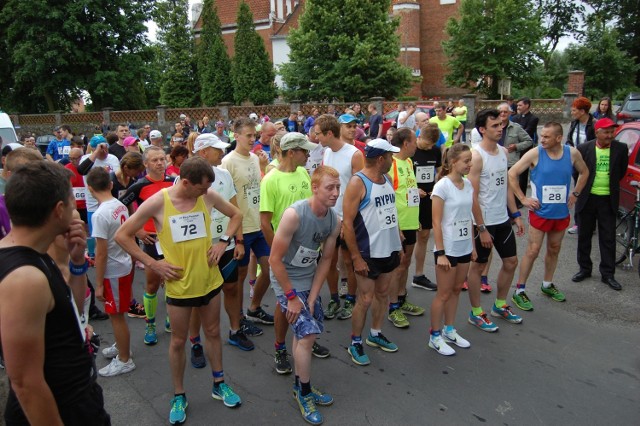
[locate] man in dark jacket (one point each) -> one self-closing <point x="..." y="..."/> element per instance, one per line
<point x="598" y="202"/>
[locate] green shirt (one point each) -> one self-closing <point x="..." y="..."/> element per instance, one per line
<point x="601" y="180"/>
<point x="447" y="127"/>
<point x="278" y="190"/>
<point x="407" y="196"/>
<point x="461" y="113"/>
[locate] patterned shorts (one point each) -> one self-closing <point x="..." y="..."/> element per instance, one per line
<point x="306" y="323"/>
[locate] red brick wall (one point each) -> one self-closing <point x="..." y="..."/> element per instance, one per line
<point x="576" y="82"/>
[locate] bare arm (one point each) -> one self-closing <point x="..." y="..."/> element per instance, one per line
<point x="529" y="159"/>
<point x="474" y="178"/>
<point x="512" y="206"/>
<point x="265" y="226"/>
<point x="101" y="267"/>
<point x="459" y="134"/>
<point x="76" y="240"/>
<point x="353" y="195"/>
<point x="357" y="162"/>
<point x="215" y="200"/>
<point x="324" y="264"/>
<point x="583" y="175"/>
<point x="239" y="250"/>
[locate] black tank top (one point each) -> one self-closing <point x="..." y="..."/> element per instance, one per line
<point x="67" y="363"/>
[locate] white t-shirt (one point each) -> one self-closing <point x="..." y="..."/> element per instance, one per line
<point x="105" y="222"/>
<point x="223" y="185"/>
<point x="111" y="164"/>
<point x="457" y="218"/>
<point x="315" y="159"/>
<point x="341" y="161"/>
<point x="410" y="123"/>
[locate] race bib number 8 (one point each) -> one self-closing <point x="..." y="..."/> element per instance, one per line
<point x="387" y="217"/>
<point x="304" y="257"/>
<point x="461" y="229"/>
<point x="425" y="174"/>
<point x="554" y="194"/>
<point x="188" y="226"/>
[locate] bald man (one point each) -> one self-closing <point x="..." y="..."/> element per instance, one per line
<point x="267" y="133"/>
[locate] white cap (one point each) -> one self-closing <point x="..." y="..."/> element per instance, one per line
<point x="378" y="147"/>
<point x="253" y="116"/>
<point x="155" y="134"/>
<point x="182" y="116"/>
<point x="207" y="140"/>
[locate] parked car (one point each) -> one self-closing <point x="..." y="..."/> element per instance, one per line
<point x="42" y="142"/>
<point x="7" y="132"/>
<point x="629" y="133"/>
<point x="630" y="110"/>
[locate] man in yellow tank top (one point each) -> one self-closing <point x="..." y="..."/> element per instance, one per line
<point x="181" y="215"/>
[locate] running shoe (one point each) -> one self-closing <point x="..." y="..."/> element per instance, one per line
<point x="308" y="409"/>
<point x="167" y="325"/>
<point x="357" y="354"/>
<point x="283" y="366"/>
<point x="573" y="230"/>
<point x="150" y="336"/>
<point x="482" y="322"/>
<point x="381" y="342"/>
<point x="320" y="351"/>
<point x="197" y="356"/>
<point x="240" y="341"/>
<point x="398" y="319"/>
<point x="465" y="286"/>
<point x="110" y="352"/>
<point x="319" y="397"/>
<point x="506" y="314"/>
<point x="96" y="314"/>
<point x="522" y="301"/>
<point x="137" y="311"/>
<point x="424" y="283"/>
<point x="178" y="412"/>
<point x="332" y="309"/>
<point x="485" y="287"/>
<point x="225" y="394"/>
<point x="438" y="343"/>
<point x="411" y="309"/>
<point x="455" y="338"/>
<point x="259" y="315"/>
<point x="553" y="292"/>
<point x="249" y="328"/>
<point x="117" y="367"/>
<point x="346" y="311"/>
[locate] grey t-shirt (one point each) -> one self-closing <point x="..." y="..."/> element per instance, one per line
<point x="302" y="255"/>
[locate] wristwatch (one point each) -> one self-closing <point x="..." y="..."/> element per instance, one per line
<point x="225" y="239"/>
<point x="482" y="228"/>
<point x="576" y="194"/>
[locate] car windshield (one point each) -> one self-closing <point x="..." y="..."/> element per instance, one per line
<point x="632" y="105"/>
<point x="8" y="136"/>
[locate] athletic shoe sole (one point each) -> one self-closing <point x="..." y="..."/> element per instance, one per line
<point x="488" y="330"/>
<point x="239" y="346"/>
<point x="432" y="346"/>
<point x="355" y="360"/>
<point x="423" y="287"/>
<point x="377" y="345"/>
<point x="219" y="398"/>
<point x="515" y="302"/>
<point x="513" y="321"/>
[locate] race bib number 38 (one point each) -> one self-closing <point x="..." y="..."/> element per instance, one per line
<point x="188" y="226"/>
<point x="554" y="194"/>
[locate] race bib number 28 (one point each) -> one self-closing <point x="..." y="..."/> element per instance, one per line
<point x="554" y="194"/>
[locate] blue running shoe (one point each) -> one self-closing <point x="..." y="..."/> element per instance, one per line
<point x="381" y="342"/>
<point x="308" y="409"/>
<point x="167" y="325"/>
<point x="225" y="394"/>
<point x="178" y="412"/>
<point x="150" y="336"/>
<point x="318" y="397"/>
<point x="506" y="314"/>
<point x="482" y="322"/>
<point x="357" y="354"/>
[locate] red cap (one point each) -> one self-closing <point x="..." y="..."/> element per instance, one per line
<point x="604" y="123"/>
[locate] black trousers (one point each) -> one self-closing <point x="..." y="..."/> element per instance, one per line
<point x="597" y="209"/>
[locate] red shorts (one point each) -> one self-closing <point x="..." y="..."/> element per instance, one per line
<point x="117" y="294"/>
<point x="548" y="225"/>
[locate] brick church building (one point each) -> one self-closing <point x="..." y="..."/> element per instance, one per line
<point x="421" y="31"/>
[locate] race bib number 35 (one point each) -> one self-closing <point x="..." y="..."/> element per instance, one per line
<point x="554" y="194"/>
<point x="188" y="226"/>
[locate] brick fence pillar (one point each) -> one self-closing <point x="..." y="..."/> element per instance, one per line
<point x="106" y="116"/>
<point x="58" y="115"/>
<point x="470" y="102"/>
<point x="576" y="82"/>
<point x="161" y="111"/>
<point x="568" y="101"/>
<point x="224" y="110"/>
<point x="296" y="106"/>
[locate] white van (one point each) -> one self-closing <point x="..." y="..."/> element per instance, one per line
<point x="7" y="132"/>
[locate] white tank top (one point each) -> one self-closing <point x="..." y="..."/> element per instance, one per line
<point x="492" y="195"/>
<point x="341" y="161"/>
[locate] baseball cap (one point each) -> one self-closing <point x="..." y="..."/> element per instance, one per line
<point x="294" y="140"/>
<point x="182" y="116"/>
<point x="219" y="123"/>
<point x="155" y="134"/>
<point x="207" y="140"/>
<point x="346" y="118"/>
<point x="55" y="129"/>
<point x="97" y="140"/>
<point x="605" y="123"/>
<point x="253" y="116"/>
<point x="378" y="147"/>
<point x="128" y="141"/>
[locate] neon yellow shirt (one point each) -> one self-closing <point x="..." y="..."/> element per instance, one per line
<point x="461" y="113"/>
<point x="407" y="196"/>
<point x="280" y="189"/>
<point x="447" y="127"/>
<point x="601" y="180"/>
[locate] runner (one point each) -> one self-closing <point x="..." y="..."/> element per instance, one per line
<point x="298" y="275"/>
<point x="370" y="213"/>
<point x="181" y="215"/>
<point x="551" y="165"/>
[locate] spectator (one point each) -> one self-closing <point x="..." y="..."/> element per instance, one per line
<point x="308" y="124"/>
<point x="407" y="118"/>
<point x="604" y="109"/>
<point x="375" y="122"/>
<point x="59" y="147"/>
<point x="178" y="154"/>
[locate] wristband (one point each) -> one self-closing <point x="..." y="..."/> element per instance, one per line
<point x="515" y="215"/>
<point x="439" y="253"/>
<point x="78" y="270"/>
<point x="291" y="294"/>
<point x="239" y="241"/>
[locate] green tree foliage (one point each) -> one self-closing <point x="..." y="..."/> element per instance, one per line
<point x="559" y="18"/>
<point x="252" y="71"/>
<point x="52" y="50"/>
<point x="214" y="66"/>
<point x="179" y="87"/>
<point x="492" y="40"/>
<point x="607" y="68"/>
<point x="344" y="49"/>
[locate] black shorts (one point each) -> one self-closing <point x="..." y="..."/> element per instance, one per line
<point x="382" y="265"/>
<point x="194" y="302"/>
<point x="83" y="215"/>
<point x="425" y="218"/>
<point x="341" y="243"/>
<point x="504" y="240"/>
<point x="228" y="267"/>
<point x="454" y="260"/>
<point x="409" y="237"/>
<point x="151" y="250"/>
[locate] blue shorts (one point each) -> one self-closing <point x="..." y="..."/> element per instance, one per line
<point x="254" y="241"/>
<point x="306" y="323"/>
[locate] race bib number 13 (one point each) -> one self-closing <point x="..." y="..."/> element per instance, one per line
<point x="188" y="226"/>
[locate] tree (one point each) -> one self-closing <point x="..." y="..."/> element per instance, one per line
<point x="252" y="71"/>
<point x="559" y="18"/>
<point x="492" y="40"/>
<point x="179" y="88"/>
<point x="344" y="50"/>
<point x="214" y="66"/>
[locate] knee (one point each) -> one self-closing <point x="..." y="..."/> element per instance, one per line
<point x="230" y="290"/>
<point x="177" y="342"/>
<point x="510" y="264"/>
<point x="212" y="331"/>
<point x="553" y="250"/>
<point x="364" y="299"/>
<point x="533" y="250"/>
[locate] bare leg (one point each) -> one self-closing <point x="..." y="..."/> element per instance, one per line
<point x="210" y="315"/>
<point x="232" y="304"/>
<point x="121" y="334"/>
<point x="554" y="243"/>
<point x="302" y="356"/>
<point x="473" y="280"/>
<point x="451" y="307"/>
<point x="179" y="317"/>
<point x="505" y="276"/>
<point x="421" y="250"/>
<point x="333" y="276"/>
<point x="262" y="284"/>
<point x="380" y="300"/>
<point x="194" y="323"/>
<point x="363" y="301"/>
<point x="533" y="249"/>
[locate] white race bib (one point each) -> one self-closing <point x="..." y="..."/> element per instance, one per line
<point x="187" y="226"/>
<point x="425" y="174"/>
<point x="500" y="178"/>
<point x="253" y="197"/>
<point x="413" y="197"/>
<point x="305" y="257"/>
<point x="66" y="150"/>
<point x="554" y="194"/>
<point x="159" y="249"/>
<point x="387" y="217"/>
<point x="80" y="193"/>
<point x="461" y="229"/>
<point x="446" y="135"/>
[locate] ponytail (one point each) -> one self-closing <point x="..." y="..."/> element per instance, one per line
<point x="450" y="156"/>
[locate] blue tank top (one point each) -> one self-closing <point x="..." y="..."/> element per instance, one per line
<point x="550" y="183"/>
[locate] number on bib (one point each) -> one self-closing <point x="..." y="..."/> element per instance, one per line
<point x="500" y="177"/>
<point x="413" y="197"/>
<point x="425" y="174"/>
<point x="79" y="193"/>
<point x="554" y="194"/>
<point x="387" y="217"/>
<point x="461" y="229"/>
<point x="305" y="257"/>
<point x="253" y="197"/>
<point x="188" y="226"/>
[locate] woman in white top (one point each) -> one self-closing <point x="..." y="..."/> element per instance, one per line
<point x="452" y="198"/>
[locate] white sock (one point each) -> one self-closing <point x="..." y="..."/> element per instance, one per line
<point x="375" y="333"/>
<point x="547" y="284"/>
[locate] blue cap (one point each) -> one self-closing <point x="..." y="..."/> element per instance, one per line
<point x="346" y="118"/>
<point x="97" y="140"/>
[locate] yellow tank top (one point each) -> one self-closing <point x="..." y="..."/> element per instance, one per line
<point x="185" y="239"/>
